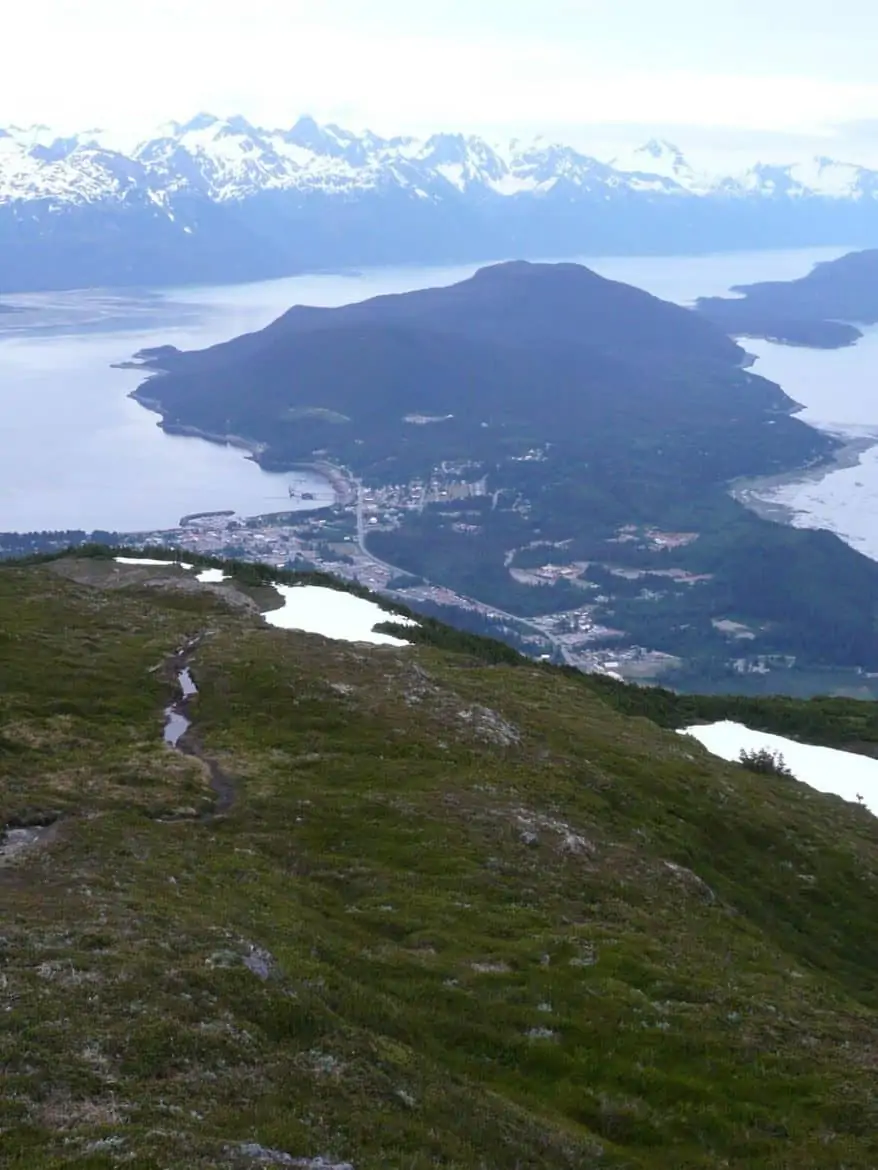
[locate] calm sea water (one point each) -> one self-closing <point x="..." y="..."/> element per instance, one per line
<point x="837" y="387"/>
<point x="77" y="452"/>
<point x="839" y="392"/>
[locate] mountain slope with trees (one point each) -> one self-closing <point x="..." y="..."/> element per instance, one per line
<point x="821" y="309"/>
<point x="641" y="412"/>
<point x="527" y="348"/>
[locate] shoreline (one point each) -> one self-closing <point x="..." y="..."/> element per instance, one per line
<point x="254" y="448"/>
<point x="752" y="492"/>
<point x="338" y="480"/>
<point x="154" y="405"/>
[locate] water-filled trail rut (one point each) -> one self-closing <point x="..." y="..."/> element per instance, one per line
<point x="181" y="735"/>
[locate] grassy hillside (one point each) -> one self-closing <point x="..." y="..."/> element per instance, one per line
<point x="461" y="913"/>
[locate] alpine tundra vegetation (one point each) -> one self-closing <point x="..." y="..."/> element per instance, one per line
<point x="406" y="906"/>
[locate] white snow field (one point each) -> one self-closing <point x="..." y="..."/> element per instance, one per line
<point x="148" y="561"/>
<point x="828" y="770"/>
<point x="311" y="608"/>
<point x="318" y="610"/>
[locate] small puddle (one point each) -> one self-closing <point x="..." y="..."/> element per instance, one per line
<point x="177" y="722"/>
<point x="176" y="726"/>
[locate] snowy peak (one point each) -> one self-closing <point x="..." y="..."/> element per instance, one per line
<point x="228" y="159"/>
<point x="28" y="136"/>
<point x="461" y="161"/>
<point x="656" y="157"/>
<point x="833" y="179"/>
<point x="37" y="166"/>
<point x="659" y="159"/>
<point x="219" y="158"/>
<point x="328" y="142"/>
<point x="818" y="177"/>
<point x="543" y="167"/>
<point x="196" y="125"/>
<point x="659" y="149"/>
<point x="307" y="134"/>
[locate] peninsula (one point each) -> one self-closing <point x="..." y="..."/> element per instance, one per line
<point x="820" y="310"/>
<point x="579" y="471"/>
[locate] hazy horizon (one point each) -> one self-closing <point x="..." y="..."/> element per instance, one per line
<point x="753" y="78"/>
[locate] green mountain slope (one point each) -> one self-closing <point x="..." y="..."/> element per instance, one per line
<point x="457" y="913"/>
<point x="518" y="354"/>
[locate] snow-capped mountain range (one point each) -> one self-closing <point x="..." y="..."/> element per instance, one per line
<point x="221" y="199"/>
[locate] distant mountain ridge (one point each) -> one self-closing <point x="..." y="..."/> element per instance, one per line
<point x="222" y="199"/>
<point x="818" y="309"/>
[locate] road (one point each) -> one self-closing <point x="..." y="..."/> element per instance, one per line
<point x="394" y="570"/>
<point x="478" y="605"/>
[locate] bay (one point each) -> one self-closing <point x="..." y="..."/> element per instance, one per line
<point x="838" y="391"/>
<point x="77" y="452"/>
<point x="838" y="388"/>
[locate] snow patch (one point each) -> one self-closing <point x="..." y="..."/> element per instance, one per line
<point x="334" y="614"/>
<point x="829" y="770"/>
<point x="510" y="184"/>
<point x="149" y="561"/>
<point x="454" y="174"/>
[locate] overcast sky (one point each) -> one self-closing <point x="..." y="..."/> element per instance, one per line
<point x="779" y="70"/>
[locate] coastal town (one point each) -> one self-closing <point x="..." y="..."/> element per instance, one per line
<point x="333" y="539"/>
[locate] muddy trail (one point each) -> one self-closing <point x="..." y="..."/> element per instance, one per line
<point x="36" y="829"/>
<point x="180" y="734"/>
